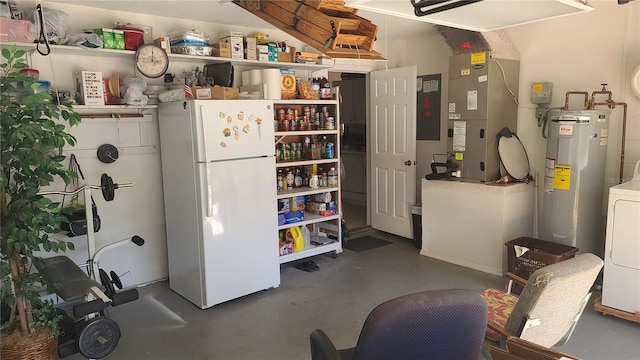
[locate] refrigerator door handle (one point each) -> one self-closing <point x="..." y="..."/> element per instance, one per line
<point x="205" y="189"/>
<point x="208" y="200"/>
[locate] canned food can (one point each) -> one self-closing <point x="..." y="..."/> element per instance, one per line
<point x="322" y="198"/>
<point x="284" y="205"/>
<point x="329" y="123"/>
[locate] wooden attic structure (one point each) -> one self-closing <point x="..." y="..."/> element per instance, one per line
<point x="326" y="25"/>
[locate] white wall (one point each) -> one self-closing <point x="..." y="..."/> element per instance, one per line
<point x="575" y="53"/>
<point x="579" y="53"/>
<point x="138" y="210"/>
<point x="431" y="55"/>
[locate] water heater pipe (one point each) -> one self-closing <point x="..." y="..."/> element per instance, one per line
<point x="566" y="98"/>
<point x="612" y="104"/>
<point x="535" y="205"/>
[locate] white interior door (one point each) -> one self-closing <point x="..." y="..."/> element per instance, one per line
<point x="393" y="149"/>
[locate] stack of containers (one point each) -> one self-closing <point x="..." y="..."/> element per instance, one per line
<point x="190" y="42"/>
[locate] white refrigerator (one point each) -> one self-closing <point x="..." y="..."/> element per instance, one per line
<point x="219" y="195"/>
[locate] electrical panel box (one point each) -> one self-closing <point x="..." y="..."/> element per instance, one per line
<point x="541" y="93"/>
<point x="482" y="102"/>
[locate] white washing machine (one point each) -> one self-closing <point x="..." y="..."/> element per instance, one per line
<point x="621" y="282"/>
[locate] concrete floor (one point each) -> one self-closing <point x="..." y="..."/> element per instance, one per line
<point x="275" y="324"/>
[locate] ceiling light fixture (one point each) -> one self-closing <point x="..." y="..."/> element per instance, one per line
<point x="474" y="15"/>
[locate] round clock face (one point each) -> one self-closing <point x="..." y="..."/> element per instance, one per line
<point x="151" y="60"/>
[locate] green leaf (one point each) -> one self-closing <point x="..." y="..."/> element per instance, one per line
<point x="32" y="133"/>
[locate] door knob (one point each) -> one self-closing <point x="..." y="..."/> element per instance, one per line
<point x="408" y="162"/>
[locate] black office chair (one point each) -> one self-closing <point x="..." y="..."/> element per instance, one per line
<point x="436" y="324"/>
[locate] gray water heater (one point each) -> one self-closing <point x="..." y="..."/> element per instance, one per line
<point x="574" y="179"/>
<point x="482" y="92"/>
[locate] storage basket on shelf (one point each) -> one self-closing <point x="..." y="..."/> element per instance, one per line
<point x="539" y="253"/>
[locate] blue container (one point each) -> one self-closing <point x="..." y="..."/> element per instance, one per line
<point x="328" y="152"/>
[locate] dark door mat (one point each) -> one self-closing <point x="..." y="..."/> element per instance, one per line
<point x="365" y="243"/>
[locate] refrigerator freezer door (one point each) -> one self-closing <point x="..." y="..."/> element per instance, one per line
<point x="231" y="129"/>
<point x="240" y="245"/>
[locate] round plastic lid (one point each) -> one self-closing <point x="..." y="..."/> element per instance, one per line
<point x="513" y="157"/>
<point x="33" y="73"/>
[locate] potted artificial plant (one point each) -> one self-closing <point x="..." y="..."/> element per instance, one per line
<point x="32" y="135"/>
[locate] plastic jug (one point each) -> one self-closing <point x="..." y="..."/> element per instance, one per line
<point x="298" y="241"/>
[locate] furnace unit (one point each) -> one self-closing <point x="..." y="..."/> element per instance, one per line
<point x="482" y="101"/>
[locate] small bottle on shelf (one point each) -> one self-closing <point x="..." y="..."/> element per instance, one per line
<point x="280" y="180"/>
<point x="332" y="178"/>
<point x="305" y="177"/>
<point x="290" y="179"/>
<point x="323" y="180"/>
<point x="297" y="182"/>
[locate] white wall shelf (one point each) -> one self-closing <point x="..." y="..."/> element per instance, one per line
<point x="305" y="162"/>
<point x="311" y="251"/>
<point x="106" y="53"/>
<point x="303" y="191"/>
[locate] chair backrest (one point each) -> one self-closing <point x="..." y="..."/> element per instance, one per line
<point x="553" y="299"/>
<point x="436" y="324"/>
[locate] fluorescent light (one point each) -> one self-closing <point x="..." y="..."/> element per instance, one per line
<point x="486" y="15"/>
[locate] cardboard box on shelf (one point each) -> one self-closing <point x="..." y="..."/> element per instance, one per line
<point x="216" y="93"/>
<point x="250" y="42"/>
<point x="237" y="45"/>
<point x="250" y="48"/>
<point x="273" y="53"/>
<point x="288" y="84"/>
<point x="287" y="56"/>
<point x="164" y="43"/>
<point x="262" y="52"/>
<point x="118" y="39"/>
<point x="221" y="49"/>
<point x="290" y="217"/>
<point x="108" y="42"/>
<point x="231" y="34"/>
<point x="89" y="86"/>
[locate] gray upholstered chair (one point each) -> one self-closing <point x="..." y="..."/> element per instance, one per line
<point x="550" y="304"/>
<point x="436" y="324"/>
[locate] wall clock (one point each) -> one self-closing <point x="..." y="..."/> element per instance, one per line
<point x="635" y="81"/>
<point x="151" y="60"/>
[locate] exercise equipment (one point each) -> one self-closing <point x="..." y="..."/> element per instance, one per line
<point x="88" y="331"/>
<point x="98" y="337"/>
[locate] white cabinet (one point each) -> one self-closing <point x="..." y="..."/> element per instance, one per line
<point x="468" y="223"/>
<point x="317" y="208"/>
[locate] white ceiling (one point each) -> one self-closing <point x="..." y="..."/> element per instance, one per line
<point x="225" y="12"/>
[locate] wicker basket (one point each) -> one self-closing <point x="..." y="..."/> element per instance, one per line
<point x="36" y="346"/>
<point x="541" y="253"/>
